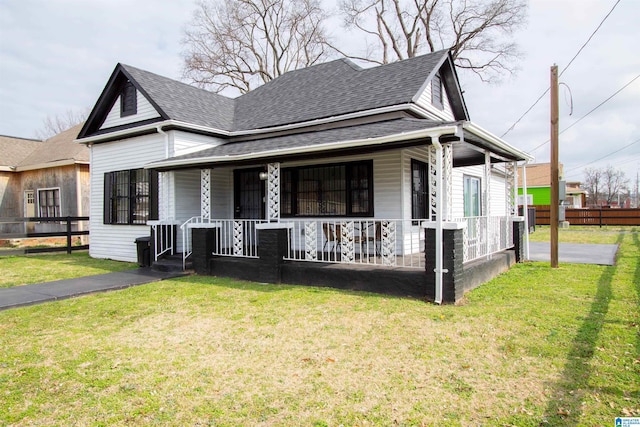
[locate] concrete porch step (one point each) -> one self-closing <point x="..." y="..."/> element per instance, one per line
<point x="171" y="263"/>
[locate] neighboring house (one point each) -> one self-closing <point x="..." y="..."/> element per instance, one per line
<point x="538" y="183"/>
<point x="47" y="178"/>
<point x="576" y="195"/>
<point x="327" y="166"/>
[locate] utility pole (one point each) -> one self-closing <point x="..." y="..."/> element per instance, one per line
<point x="555" y="178"/>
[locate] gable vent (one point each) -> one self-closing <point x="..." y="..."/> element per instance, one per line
<point x="128" y="100"/>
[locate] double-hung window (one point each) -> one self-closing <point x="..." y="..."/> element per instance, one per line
<point x="344" y="189"/>
<point x="472" y="196"/>
<point x="130" y="196"/>
<point x="49" y="202"/>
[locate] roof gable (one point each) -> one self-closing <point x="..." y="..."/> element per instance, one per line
<point x="171" y="100"/>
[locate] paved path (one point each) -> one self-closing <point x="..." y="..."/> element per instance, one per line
<point x="576" y="253"/>
<point x="50" y="291"/>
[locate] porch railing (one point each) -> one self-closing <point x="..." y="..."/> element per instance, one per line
<point x="484" y="236"/>
<point x="234" y="237"/>
<point x="386" y="242"/>
<point x="163" y="237"/>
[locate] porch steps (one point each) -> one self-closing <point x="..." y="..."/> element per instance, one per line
<point x="171" y="263"/>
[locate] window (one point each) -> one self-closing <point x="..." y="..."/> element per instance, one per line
<point x="419" y="190"/>
<point x="130" y="196"/>
<point x="436" y="92"/>
<point x="48" y="202"/>
<point x="128" y="100"/>
<point x="471" y="196"/>
<point x="333" y="190"/>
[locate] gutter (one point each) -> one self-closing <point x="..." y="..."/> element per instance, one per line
<point x="58" y="163"/>
<point x="221" y="132"/>
<point x="500" y="143"/>
<point x="424" y="133"/>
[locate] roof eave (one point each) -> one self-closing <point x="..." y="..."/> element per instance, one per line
<point x="496" y="141"/>
<point x="435" y="132"/>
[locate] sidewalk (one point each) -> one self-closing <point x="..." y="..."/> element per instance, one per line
<point x="18" y="296"/>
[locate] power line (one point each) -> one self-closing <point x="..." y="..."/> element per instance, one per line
<point x="565" y="69"/>
<point x="589" y="39"/>
<point x="604" y="157"/>
<point x="591" y="111"/>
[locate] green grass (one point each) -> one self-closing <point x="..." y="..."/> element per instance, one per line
<point x="534" y="347"/>
<point x="25" y="270"/>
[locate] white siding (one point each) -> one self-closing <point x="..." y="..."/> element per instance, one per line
<point x="117" y="241"/>
<point x="424" y="101"/>
<point x="187" y="197"/>
<point x="185" y="142"/>
<point x="497" y="197"/>
<point x="145" y="111"/>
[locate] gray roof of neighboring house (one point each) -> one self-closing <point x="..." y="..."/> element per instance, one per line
<point x="14" y="150"/>
<point x="21" y="152"/>
<point x="180" y="101"/>
<point x="58" y="148"/>
<point x="312" y="138"/>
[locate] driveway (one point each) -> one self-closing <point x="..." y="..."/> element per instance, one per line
<point x="576" y="253"/>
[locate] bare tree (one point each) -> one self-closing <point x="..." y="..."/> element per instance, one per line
<point x="53" y="125"/>
<point x="593" y="185"/>
<point x="615" y="183"/>
<point x="478" y="32"/>
<point x="241" y="44"/>
<point x="604" y="185"/>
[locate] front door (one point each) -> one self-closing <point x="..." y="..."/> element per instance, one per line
<point x="249" y="194"/>
<point x="29" y="209"/>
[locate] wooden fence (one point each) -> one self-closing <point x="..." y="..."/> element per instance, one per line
<point x="23" y="228"/>
<point x="592" y="216"/>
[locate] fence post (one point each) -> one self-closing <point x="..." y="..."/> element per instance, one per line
<point x="68" y="234"/>
<point x="600" y="216"/>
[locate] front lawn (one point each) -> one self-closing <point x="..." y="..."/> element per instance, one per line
<point x="534" y="347"/>
<point x="30" y="269"/>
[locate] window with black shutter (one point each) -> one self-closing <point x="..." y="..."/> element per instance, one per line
<point x="128" y="100"/>
<point x="130" y="196"/>
<point x="344" y="189"/>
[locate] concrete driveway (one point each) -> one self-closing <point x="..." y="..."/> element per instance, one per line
<point x="576" y="253"/>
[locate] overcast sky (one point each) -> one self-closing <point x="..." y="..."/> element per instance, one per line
<point x="56" y="55"/>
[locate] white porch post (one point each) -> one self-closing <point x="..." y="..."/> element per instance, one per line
<point x="273" y="192"/>
<point x="486" y="209"/>
<point x="447" y="182"/>
<point x="163" y="203"/>
<point x="440" y="174"/>
<point x="205" y="193"/>
<point x="511" y="188"/>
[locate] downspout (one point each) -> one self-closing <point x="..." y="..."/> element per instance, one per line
<point x="525" y="210"/>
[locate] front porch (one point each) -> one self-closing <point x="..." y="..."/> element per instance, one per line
<point x="395" y="257"/>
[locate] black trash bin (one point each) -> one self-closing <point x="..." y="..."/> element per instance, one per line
<point x="143" y="245"/>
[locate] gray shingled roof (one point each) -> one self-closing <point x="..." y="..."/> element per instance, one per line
<point x="184" y="102"/>
<point x="332" y="89"/>
<point x="312" y="138"/>
<point x="57" y="148"/>
<point x="14" y="150"/>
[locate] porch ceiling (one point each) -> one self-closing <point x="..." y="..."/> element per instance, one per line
<point x="351" y="139"/>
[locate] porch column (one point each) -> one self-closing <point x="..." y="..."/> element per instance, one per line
<point x="273" y="192"/>
<point x="486" y="209"/>
<point x="447" y="182"/>
<point x="205" y="193"/>
<point x="511" y="188"/>
<point x="163" y="194"/>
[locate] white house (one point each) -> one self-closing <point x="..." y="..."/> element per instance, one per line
<point x="353" y="164"/>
